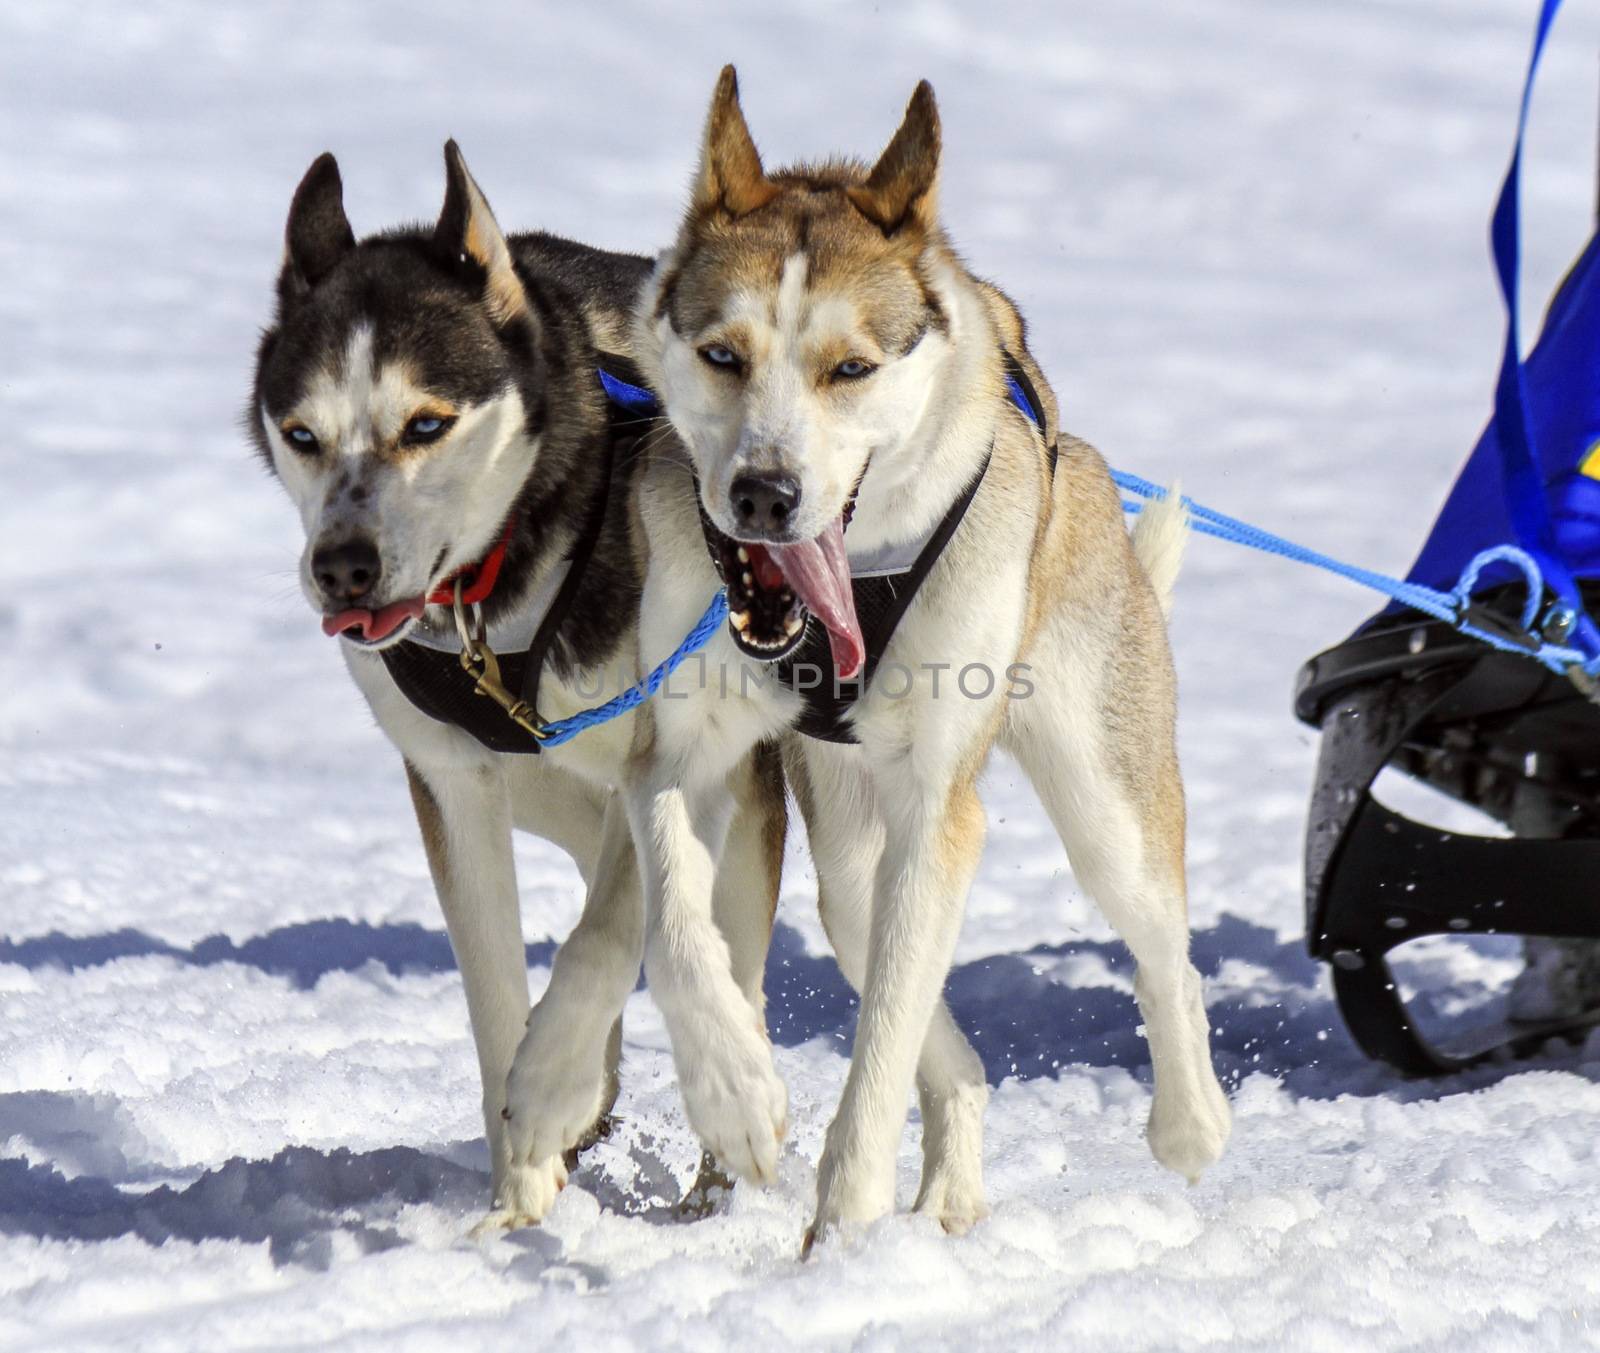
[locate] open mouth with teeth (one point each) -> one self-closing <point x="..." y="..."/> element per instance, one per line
<point x="773" y="590"/>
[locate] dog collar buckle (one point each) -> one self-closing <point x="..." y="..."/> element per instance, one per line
<point x="478" y="660"/>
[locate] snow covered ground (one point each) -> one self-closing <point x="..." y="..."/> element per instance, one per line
<point x="238" y="1103"/>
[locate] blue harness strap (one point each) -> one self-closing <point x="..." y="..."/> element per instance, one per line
<point x="624" y="394"/>
<point x="1019" y="397"/>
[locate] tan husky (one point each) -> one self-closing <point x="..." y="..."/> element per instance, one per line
<point x="828" y="362"/>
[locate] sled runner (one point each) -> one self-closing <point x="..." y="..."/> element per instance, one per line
<point x="1501" y="729"/>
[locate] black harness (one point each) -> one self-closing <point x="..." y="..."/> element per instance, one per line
<point x="881" y="601"/>
<point x="434" y="680"/>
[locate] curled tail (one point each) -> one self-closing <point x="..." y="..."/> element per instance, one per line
<point x="1159" y="537"/>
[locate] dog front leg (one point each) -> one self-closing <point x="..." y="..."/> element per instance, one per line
<point x="564" y="1077"/>
<point x="845" y="829"/>
<point x="931" y="853"/>
<point x="731" y="1091"/>
<point x="465" y="816"/>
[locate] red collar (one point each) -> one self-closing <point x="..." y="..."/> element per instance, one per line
<point x="480" y="577"/>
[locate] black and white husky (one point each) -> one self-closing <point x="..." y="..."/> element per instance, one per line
<point x="430" y="400"/>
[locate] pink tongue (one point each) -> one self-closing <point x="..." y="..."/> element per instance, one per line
<point x="375" y="624"/>
<point x="819" y="572"/>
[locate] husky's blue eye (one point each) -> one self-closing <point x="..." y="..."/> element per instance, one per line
<point x="718" y="355"/>
<point x="427" y="427"/>
<point x="853" y="370"/>
<point x="302" y="439"/>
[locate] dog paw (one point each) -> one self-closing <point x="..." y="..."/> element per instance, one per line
<point x="954" y="1197"/>
<point x="736" y="1101"/>
<point x="849" y="1194"/>
<point x="837" y="1233"/>
<point x="523" y="1198"/>
<point x="952" y="1158"/>
<point x="555" y="1094"/>
<point x="1188" y="1132"/>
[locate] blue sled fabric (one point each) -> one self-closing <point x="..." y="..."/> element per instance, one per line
<point x="1561" y="386"/>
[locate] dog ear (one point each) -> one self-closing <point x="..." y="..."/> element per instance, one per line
<point x="318" y="234"/>
<point x="731" y="178"/>
<point x="902" y="188"/>
<point x="467" y="230"/>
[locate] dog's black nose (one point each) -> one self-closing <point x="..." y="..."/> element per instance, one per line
<point x="347" y="571"/>
<point x="765" y="502"/>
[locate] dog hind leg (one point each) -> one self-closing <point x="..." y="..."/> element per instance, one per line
<point x="750" y="871"/>
<point x="1107" y="773"/>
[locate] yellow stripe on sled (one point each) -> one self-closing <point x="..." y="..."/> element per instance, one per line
<point x="1590" y="464"/>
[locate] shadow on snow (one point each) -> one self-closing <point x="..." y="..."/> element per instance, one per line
<point x="296" y="1202"/>
<point x="303" y="953"/>
<point x="1024" y="1023"/>
<point x="1273" y="1015"/>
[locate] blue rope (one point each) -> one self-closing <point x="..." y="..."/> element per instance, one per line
<point x="1451" y="607"/>
<point x="1532" y="577"/>
<point x="1447" y="606"/>
<point x="564" y="730"/>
